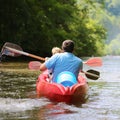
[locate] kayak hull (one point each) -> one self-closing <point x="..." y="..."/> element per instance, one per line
<point x="59" y="93"/>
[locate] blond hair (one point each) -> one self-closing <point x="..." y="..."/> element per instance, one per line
<point x="56" y="50"/>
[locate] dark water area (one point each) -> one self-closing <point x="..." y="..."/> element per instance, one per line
<point x="18" y="99"/>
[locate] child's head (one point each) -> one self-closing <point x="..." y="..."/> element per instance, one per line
<point x="56" y="50"/>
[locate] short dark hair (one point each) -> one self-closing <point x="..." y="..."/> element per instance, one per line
<point x="68" y="46"/>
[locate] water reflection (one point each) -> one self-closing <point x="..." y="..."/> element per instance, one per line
<point x="51" y="111"/>
<point x="15" y="86"/>
<point x="18" y="95"/>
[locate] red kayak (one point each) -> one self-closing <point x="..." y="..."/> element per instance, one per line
<point x="57" y="92"/>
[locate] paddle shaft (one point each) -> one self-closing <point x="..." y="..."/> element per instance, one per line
<point x="88" y="73"/>
<point x="95" y="61"/>
<point x="25" y="53"/>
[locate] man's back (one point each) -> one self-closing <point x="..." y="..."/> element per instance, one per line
<point x="64" y="62"/>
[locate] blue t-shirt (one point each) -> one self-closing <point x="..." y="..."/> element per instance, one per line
<point x="64" y="62"/>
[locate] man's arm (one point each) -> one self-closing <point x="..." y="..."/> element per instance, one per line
<point x="43" y="67"/>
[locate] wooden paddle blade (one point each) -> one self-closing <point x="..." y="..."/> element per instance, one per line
<point x="8" y="52"/>
<point x="34" y="65"/>
<point x="92" y="74"/>
<point x="94" y="62"/>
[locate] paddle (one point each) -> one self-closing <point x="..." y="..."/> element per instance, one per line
<point x="14" y="50"/>
<point x="93" y="62"/>
<point x="34" y="65"/>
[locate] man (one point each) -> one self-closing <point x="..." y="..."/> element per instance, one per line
<point x="65" y="61"/>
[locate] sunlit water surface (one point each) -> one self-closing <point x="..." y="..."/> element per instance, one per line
<point x="18" y="99"/>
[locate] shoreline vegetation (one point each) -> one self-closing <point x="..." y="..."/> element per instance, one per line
<point x="20" y="68"/>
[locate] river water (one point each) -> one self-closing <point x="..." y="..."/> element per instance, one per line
<point x="18" y="99"/>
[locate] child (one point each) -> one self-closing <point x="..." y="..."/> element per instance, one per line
<point x="56" y="50"/>
<point x="53" y="51"/>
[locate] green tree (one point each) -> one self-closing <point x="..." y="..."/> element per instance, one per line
<point x="38" y="25"/>
<point x="90" y="32"/>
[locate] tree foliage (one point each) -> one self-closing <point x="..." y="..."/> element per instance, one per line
<point x="38" y="25"/>
<point x="112" y="23"/>
<point x="113" y="48"/>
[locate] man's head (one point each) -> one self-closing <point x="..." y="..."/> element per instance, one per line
<point x="68" y="46"/>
